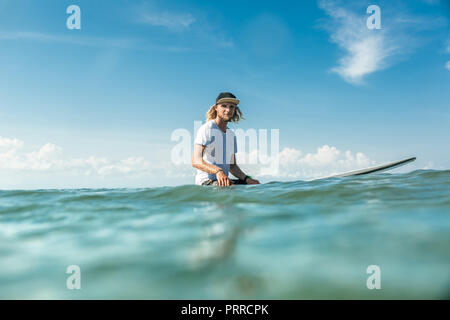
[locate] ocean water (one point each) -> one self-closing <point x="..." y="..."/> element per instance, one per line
<point x="280" y="240"/>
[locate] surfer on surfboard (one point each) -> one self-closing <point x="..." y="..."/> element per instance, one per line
<point x="215" y="145"/>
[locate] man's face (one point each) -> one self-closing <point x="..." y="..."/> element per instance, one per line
<point x="225" y="111"/>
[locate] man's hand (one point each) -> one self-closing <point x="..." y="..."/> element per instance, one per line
<point x="251" y="181"/>
<point x="222" y="179"/>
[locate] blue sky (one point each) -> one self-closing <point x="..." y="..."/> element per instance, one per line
<point x="97" y="106"/>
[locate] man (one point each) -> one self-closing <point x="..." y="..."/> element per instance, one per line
<point x="215" y="145"/>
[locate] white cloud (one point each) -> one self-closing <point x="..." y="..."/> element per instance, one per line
<point x="50" y="167"/>
<point x="10" y="143"/>
<point x="50" y="163"/>
<point x="294" y="164"/>
<point x="200" y="31"/>
<point x="172" y="21"/>
<point x="86" y="41"/>
<point x="50" y="158"/>
<point x="447" y="65"/>
<point x="206" y="34"/>
<point x="366" y="51"/>
<point x="151" y="14"/>
<point x="325" y="155"/>
<point x="115" y="43"/>
<point x="364" y="57"/>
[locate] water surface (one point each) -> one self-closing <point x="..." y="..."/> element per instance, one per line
<point x="281" y="240"/>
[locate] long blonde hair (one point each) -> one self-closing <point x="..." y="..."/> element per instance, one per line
<point x="212" y="114"/>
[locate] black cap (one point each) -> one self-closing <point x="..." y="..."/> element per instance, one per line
<point x="228" y="97"/>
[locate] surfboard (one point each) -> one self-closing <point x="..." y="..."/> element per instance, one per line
<point x="383" y="167"/>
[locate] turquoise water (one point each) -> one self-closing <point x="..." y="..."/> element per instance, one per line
<point x="290" y="240"/>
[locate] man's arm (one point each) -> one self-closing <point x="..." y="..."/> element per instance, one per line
<point x="200" y="164"/>
<point x="238" y="173"/>
<point x="235" y="170"/>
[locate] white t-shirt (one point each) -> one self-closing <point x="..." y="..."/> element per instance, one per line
<point x="219" y="147"/>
